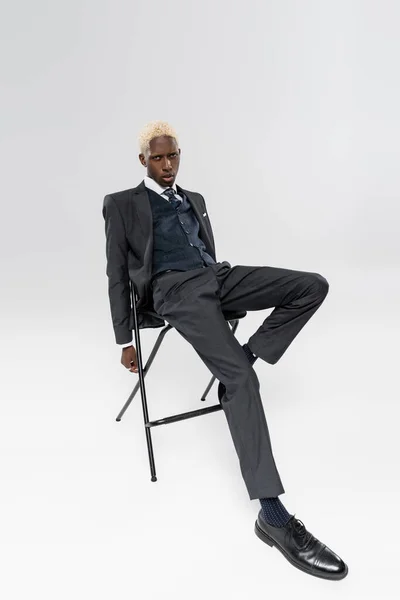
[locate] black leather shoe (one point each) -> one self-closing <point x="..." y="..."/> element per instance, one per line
<point x="301" y="548"/>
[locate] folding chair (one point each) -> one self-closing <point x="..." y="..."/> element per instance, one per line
<point x="233" y="320"/>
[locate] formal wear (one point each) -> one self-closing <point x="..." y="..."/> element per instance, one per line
<point x="176" y="242"/>
<point x="193" y="300"/>
<point x="129" y="249"/>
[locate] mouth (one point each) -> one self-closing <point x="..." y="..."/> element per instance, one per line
<point x="167" y="178"/>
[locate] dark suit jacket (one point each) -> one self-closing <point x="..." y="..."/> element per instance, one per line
<point x="129" y="251"/>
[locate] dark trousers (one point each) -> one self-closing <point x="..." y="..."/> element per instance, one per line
<point x="193" y="303"/>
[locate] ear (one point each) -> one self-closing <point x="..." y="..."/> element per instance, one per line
<point x="142" y="159"/>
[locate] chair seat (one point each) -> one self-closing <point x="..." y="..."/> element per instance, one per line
<point x="232" y="315"/>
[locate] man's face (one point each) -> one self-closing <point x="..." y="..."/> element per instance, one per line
<point x="163" y="161"/>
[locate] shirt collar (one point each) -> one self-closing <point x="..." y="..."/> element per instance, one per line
<point x="156" y="187"/>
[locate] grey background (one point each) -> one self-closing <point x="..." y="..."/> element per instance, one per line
<point x="288" y="107"/>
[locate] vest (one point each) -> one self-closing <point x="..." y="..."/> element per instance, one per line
<point x="176" y="242"/>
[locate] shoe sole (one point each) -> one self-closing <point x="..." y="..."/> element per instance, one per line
<point x="264" y="537"/>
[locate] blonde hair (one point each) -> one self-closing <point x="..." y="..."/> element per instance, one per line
<point x="152" y="130"/>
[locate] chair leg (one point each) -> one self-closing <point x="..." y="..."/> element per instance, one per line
<point x="142" y="386"/>
<point x="145" y="370"/>
<point x="234" y="325"/>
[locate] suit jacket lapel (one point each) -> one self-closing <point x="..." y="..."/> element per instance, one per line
<point x="197" y="209"/>
<point x="141" y="205"/>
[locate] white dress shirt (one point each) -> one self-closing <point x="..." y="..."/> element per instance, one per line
<point x="156" y="187"/>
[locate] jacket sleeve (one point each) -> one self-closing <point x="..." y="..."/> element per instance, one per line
<point x="117" y="270"/>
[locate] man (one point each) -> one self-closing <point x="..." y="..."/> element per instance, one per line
<point x="159" y="235"/>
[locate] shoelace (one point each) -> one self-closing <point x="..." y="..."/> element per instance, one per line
<point x="302" y="531"/>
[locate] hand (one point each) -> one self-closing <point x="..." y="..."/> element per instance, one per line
<point x="129" y="360"/>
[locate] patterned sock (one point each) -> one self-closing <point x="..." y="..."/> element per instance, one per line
<point x="252" y="357"/>
<point x="274" y="512"/>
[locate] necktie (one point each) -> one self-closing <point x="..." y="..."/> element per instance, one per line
<point x="171" y="197"/>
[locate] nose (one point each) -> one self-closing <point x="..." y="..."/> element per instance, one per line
<point x="167" y="164"/>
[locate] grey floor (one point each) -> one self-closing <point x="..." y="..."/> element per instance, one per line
<point x="287" y="114"/>
<point x="81" y="519"/>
